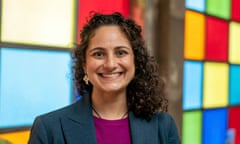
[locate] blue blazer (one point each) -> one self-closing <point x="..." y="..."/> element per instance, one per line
<point x="74" y="125"/>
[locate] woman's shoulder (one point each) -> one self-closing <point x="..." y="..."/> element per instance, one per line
<point x="56" y="114"/>
<point x="49" y="125"/>
<point x="165" y="121"/>
<point x="163" y="116"/>
<point x="167" y="126"/>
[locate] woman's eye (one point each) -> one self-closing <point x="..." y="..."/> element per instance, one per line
<point x="121" y="53"/>
<point x="98" y="54"/>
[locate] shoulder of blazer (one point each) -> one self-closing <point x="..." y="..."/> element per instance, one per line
<point x="160" y="129"/>
<point x="80" y="106"/>
<point x="71" y="124"/>
<point x="60" y="112"/>
<point x="167" y="128"/>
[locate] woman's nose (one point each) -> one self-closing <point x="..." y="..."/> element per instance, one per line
<point x="110" y="62"/>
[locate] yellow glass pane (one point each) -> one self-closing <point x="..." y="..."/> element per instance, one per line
<point x="20" y="137"/>
<point x="194" y="40"/>
<point x="39" y="22"/>
<point x="215" y="88"/>
<point x="234" y="43"/>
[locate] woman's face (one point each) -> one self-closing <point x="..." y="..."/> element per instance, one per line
<point x="109" y="60"/>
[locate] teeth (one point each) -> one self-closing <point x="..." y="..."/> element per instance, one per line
<point x="111" y="75"/>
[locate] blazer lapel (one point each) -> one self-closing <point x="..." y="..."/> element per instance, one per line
<point x="78" y="126"/>
<point x="142" y="131"/>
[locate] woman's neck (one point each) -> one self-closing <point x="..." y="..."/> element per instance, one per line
<point x="109" y="106"/>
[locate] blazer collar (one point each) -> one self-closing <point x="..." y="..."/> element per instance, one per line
<point x="79" y="125"/>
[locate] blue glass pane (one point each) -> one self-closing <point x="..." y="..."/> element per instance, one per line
<point x="198" y="5"/>
<point x="32" y="82"/>
<point x="214" y="126"/>
<point x="234" y="90"/>
<point x="192" y="85"/>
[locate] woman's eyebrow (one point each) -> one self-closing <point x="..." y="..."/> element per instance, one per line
<point x="96" y="48"/>
<point x="103" y="49"/>
<point x="122" y="46"/>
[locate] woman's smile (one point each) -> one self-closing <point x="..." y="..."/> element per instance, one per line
<point x="111" y="75"/>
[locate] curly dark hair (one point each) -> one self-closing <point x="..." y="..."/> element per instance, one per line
<point x="145" y="93"/>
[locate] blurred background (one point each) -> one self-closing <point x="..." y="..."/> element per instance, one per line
<point x="196" y="43"/>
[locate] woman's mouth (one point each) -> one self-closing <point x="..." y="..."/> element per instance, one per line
<point x="111" y="75"/>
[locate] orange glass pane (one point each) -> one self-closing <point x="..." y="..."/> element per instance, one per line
<point x="20" y="137"/>
<point x="194" y="36"/>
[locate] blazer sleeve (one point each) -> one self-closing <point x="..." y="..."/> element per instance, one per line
<point x="38" y="133"/>
<point x="173" y="137"/>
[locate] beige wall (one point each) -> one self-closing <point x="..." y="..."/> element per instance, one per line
<point x="164" y="23"/>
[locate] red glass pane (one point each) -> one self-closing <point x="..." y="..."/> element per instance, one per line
<point x="106" y="6"/>
<point x="236" y="10"/>
<point x="234" y="122"/>
<point x="216" y="39"/>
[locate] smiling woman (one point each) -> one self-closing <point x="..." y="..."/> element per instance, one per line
<point x="123" y="100"/>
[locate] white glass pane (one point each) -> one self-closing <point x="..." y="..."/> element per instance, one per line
<point x="41" y="22"/>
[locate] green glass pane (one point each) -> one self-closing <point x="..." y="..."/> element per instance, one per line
<point x="192" y="127"/>
<point x="219" y="8"/>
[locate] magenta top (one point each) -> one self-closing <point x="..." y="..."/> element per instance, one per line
<point x="112" y="131"/>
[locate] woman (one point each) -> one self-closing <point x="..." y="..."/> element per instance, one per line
<point x="123" y="99"/>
